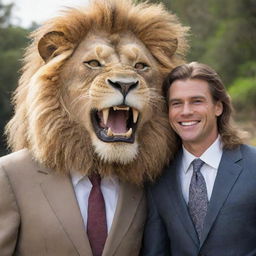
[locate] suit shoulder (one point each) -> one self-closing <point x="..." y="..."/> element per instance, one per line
<point x="15" y="157"/>
<point x="160" y="181"/>
<point x="248" y="155"/>
<point x="20" y="160"/>
<point x="248" y="150"/>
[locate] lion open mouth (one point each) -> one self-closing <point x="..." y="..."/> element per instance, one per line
<point x="115" y="124"/>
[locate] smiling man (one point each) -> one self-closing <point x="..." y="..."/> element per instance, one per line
<point x="192" y="114"/>
<point x="206" y="199"/>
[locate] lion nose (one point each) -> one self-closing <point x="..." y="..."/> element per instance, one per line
<point x="123" y="86"/>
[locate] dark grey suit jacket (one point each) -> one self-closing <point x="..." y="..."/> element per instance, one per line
<point x="230" y="224"/>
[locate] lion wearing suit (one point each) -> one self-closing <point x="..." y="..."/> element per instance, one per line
<point x="89" y="100"/>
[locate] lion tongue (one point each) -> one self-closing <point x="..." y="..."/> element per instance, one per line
<point x="117" y="121"/>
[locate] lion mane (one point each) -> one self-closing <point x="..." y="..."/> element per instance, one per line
<point x="89" y="97"/>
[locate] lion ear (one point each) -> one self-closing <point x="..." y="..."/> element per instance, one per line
<point x="52" y="44"/>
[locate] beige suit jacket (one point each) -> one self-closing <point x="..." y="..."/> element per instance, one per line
<point x="39" y="214"/>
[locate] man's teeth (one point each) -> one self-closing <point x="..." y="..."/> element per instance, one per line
<point x="105" y="113"/>
<point x="128" y="134"/>
<point x="189" y="123"/>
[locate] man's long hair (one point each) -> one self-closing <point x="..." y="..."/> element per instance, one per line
<point x="231" y="137"/>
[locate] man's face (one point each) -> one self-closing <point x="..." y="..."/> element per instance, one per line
<point x="193" y="113"/>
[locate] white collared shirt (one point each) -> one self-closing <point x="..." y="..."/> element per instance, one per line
<point x="110" y="190"/>
<point x="211" y="157"/>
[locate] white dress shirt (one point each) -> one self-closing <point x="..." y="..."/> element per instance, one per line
<point x="211" y="158"/>
<point x="110" y="190"/>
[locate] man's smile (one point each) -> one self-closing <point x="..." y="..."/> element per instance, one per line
<point x="189" y="123"/>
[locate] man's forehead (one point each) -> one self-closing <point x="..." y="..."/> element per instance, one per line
<point x="189" y="90"/>
<point x="191" y="87"/>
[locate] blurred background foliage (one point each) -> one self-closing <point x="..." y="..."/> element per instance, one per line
<point x="13" y="40"/>
<point x="223" y="35"/>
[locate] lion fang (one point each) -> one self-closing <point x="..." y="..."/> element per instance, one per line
<point x="105" y="113"/>
<point x="135" y="113"/>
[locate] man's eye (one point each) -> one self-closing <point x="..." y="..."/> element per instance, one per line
<point x="93" y="64"/>
<point x="141" y="66"/>
<point x="175" y="104"/>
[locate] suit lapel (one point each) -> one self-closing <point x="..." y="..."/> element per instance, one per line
<point x="227" y="175"/>
<point x="175" y="196"/>
<point x="129" y="198"/>
<point x="59" y="193"/>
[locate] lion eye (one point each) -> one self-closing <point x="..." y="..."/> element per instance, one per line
<point x="141" y="66"/>
<point x="92" y="63"/>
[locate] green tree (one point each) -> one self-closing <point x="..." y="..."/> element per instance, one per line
<point x="5" y="14"/>
<point x="223" y="33"/>
<point x="232" y="43"/>
<point x="11" y="47"/>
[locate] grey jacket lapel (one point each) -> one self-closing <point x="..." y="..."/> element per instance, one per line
<point x="176" y="197"/>
<point x="228" y="173"/>
<point x="59" y="193"/>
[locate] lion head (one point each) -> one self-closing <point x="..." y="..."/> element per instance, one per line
<point x="90" y="97"/>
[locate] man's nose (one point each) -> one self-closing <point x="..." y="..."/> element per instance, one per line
<point x="187" y="109"/>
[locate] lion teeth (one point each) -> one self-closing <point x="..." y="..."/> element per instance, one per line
<point x="121" y="108"/>
<point x="128" y="134"/>
<point x="109" y="133"/>
<point x="135" y="115"/>
<point x="105" y="113"/>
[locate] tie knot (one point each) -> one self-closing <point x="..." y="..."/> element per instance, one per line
<point x="95" y="179"/>
<point x="197" y="164"/>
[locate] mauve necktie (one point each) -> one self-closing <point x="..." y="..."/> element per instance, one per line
<point x="96" y="222"/>
<point x="198" y="200"/>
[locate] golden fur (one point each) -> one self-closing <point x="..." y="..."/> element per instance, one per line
<point x="56" y="92"/>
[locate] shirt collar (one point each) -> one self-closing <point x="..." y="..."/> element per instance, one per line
<point x="187" y="159"/>
<point x="76" y="177"/>
<point x="211" y="156"/>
